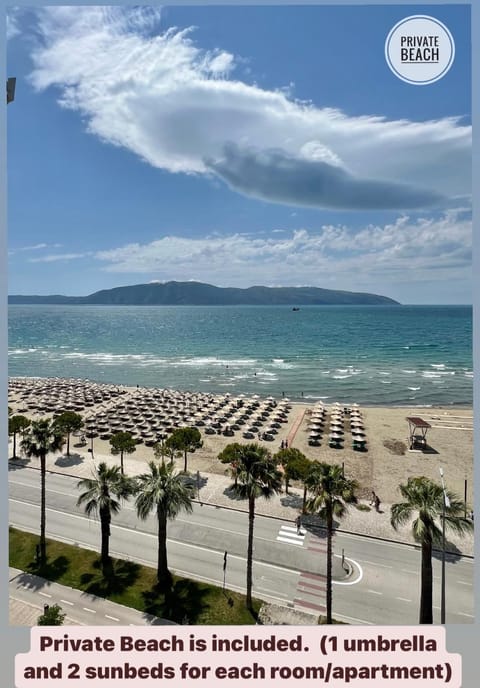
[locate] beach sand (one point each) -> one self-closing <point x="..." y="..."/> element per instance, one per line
<point x="450" y="446"/>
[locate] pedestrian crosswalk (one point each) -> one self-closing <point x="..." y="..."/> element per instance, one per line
<point x="290" y="535"/>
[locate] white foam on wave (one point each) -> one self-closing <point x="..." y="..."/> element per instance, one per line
<point x="340" y="377"/>
<point x="384" y="372"/>
<point x="437" y="373"/>
<point x="437" y="365"/>
<point x="106" y="358"/>
<point x="21" y="351"/>
<point x="409" y="372"/>
<point x="199" y="361"/>
<point x="386" y="382"/>
<point x="414" y="389"/>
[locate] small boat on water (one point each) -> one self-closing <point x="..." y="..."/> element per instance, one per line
<point x="295" y="308"/>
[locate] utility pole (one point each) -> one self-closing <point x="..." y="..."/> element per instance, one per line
<point x="446" y="503"/>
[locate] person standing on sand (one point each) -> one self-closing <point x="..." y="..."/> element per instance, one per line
<point x="377" y="504"/>
<point x="373" y="498"/>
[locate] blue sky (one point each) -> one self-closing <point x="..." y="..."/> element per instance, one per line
<point x="235" y="146"/>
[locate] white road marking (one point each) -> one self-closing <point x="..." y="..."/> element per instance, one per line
<point x="67" y="602"/>
<point x="92" y="611"/>
<point x="470" y="616"/>
<point x="374" y="563"/>
<point x="408" y="571"/>
<point x="275" y="592"/>
<point x="113" y="618"/>
<point x="45" y="594"/>
<point x="464" y="583"/>
<point x="403" y="599"/>
<point x="375" y="592"/>
<point x="289" y="541"/>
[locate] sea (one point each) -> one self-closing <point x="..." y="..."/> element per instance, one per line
<point x="371" y="355"/>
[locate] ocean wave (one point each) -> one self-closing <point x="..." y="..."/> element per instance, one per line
<point x="414" y="389"/>
<point x="21" y="351"/>
<point x="106" y="358"/>
<point x="199" y="361"/>
<point x="438" y="373"/>
<point x="409" y="372"/>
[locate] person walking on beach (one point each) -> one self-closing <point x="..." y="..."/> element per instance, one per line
<point x="286" y="444"/>
<point x="282" y="444"/>
<point x="377" y="504"/>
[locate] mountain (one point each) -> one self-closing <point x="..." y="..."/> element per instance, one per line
<point x="199" y="294"/>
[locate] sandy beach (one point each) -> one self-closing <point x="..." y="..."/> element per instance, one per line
<point x="385" y="464"/>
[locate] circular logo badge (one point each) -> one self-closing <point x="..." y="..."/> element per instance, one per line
<point x="419" y="50"/>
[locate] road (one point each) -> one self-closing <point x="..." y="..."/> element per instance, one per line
<point x="289" y="569"/>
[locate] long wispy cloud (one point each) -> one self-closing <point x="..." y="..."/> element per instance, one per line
<point x="419" y="248"/>
<point x="184" y="109"/>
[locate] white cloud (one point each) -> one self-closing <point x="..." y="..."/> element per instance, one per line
<point x="57" y="257"/>
<point x="13" y="14"/>
<point x="180" y="109"/>
<point x="422" y="249"/>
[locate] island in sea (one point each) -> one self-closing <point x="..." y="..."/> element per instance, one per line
<point x="199" y="294"/>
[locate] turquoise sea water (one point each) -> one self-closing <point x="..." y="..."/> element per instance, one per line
<point x="385" y="355"/>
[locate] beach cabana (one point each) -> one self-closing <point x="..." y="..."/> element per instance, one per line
<point x="417" y="432"/>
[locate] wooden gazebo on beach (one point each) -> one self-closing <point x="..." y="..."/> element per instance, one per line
<point x="417" y="432"/>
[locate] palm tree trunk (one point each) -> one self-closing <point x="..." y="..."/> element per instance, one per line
<point x="68" y="444"/>
<point x="185" y="462"/>
<point x="43" y="516"/>
<point x="251" y="518"/>
<point x="121" y="462"/>
<point x="14" y="445"/>
<point x="286" y="484"/>
<point x="304" y="498"/>
<point x="329" y="563"/>
<point x="426" y="609"/>
<point x="105" y="519"/>
<point x="164" y="577"/>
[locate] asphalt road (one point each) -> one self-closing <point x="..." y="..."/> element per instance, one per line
<point x="382" y="588"/>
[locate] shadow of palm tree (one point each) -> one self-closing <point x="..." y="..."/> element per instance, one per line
<point x="452" y="553"/>
<point x="15" y="464"/>
<point x="65" y="461"/>
<point x="182" y="604"/>
<point x="231" y="494"/>
<point x="52" y="570"/>
<point x="292" y="500"/>
<point x="122" y="575"/>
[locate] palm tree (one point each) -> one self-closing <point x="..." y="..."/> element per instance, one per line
<point x="102" y="495"/>
<point x="41" y="438"/>
<point x="331" y="494"/>
<point x="168" y="494"/>
<point x="256" y="476"/>
<point x="425" y="499"/>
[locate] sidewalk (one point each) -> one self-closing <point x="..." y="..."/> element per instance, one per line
<point x="213" y="490"/>
<point x="29" y="593"/>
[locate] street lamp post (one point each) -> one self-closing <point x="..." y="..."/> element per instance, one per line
<point x="446" y="503"/>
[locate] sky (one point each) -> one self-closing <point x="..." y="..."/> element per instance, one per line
<point x="236" y="146"/>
